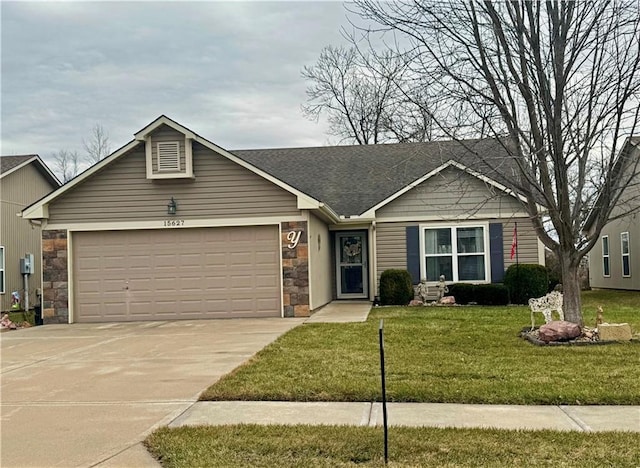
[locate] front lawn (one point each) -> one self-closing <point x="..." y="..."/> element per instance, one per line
<point x="333" y="446"/>
<point x="444" y="354"/>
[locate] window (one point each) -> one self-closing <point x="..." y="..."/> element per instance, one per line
<point x="606" y="266"/>
<point x="624" y="244"/>
<point x="168" y="156"/>
<point x="2" y="291"/>
<point x="458" y="253"/>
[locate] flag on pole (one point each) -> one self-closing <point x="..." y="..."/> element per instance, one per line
<point x="514" y="241"/>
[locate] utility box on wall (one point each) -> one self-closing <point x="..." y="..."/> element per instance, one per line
<point x="27" y="264"/>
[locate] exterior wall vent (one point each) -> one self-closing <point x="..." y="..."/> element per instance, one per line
<point x="168" y="156"/>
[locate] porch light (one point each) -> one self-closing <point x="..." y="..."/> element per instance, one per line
<point x="171" y="207"/>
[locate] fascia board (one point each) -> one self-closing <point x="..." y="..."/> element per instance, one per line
<point x="405" y="189"/>
<point x="39" y="209"/>
<point x="163" y="120"/>
<point x="19" y="166"/>
<point x="451" y="163"/>
<point x="42" y="167"/>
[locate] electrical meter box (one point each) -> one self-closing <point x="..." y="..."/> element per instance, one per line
<point x="27" y="264"/>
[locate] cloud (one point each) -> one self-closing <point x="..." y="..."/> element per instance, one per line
<point x="230" y="71"/>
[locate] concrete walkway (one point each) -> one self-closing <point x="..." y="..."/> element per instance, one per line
<point x="560" y="418"/>
<point x="342" y="312"/>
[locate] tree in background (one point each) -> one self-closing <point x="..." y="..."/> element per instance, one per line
<point x="557" y="81"/>
<point x="360" y="95"/>
<point x="66" y="164"/>
<point x="97" y="147"/>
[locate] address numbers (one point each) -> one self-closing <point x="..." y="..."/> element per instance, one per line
<point x="173" y="222"/>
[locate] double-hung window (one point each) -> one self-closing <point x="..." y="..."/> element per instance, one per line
<point x="606" y="265"/>
<point x="460" y="253"/>
<point x="626" y="256"/>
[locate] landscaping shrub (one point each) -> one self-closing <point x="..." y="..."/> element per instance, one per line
<point x="525" y="281"/>
<point x="491" y="294"/>
<point x="395" y="287"/>
<point x="463" y="292"/>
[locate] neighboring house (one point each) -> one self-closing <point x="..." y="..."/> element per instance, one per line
<point x="23" y="180"/>
<point x="171" y="226"/>
<point x="614" y="262"/>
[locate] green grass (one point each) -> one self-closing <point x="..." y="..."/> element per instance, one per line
<point x="444" y="354"/>
<point x="341" y="446"/>
<point x="18" y="317"/>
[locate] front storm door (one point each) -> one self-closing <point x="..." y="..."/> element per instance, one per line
<point x="351" y="265"/>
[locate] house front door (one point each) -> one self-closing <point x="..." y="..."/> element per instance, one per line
<point x="351" y="265"/>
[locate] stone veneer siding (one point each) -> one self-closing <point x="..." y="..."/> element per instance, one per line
<point x="55" y="277"/>
<point x="295" y="270"/>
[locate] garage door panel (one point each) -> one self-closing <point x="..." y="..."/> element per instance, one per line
<point x="176" y="274"/>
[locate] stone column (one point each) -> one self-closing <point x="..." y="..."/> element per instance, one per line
<point x="55" y="276"/>
<point x="295" y="269"/>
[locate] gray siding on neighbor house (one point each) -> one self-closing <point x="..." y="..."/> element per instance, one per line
<point x="449" y="194"/>
<point x="630" y="224"/>
<point x="163" y="134"/>
<point x="391" y="246"/>
<point x="221" y="189"/>
<point x="17" y="235"/>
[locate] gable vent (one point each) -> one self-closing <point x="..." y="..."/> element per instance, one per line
<point x="169" y="156"/>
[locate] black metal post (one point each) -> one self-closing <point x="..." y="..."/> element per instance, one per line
<point x="384" y="393"/>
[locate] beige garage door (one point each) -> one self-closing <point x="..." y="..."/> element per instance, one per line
<point x="174" y="274"/>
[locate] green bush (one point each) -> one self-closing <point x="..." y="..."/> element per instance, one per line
<point x="491" y="294"/>
<point x="463" y="292"/>
<point x="395" y="287"/>
<point x="525" y="281"/>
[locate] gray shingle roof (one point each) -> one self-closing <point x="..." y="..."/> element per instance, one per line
<point x="353" y="179"/>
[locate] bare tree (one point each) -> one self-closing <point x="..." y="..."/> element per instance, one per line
<point x="361" y="96"/>
<point x="97" y="146"/>
<point x="66" y="164"/>
<point x="564" y="79"/>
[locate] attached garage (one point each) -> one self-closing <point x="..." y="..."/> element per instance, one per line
<point x="176" y="273"/>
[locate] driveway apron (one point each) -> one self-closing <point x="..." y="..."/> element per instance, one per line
<point x="84" y="394"/>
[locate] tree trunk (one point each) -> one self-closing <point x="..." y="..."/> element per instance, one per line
<point x="572" y="303"/>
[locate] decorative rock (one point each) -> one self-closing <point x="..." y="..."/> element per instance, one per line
<point x="614" y="331"/>
<point x="447" y="300"/>
<point x="559" y="330"/>
<point x="415" y="303"/>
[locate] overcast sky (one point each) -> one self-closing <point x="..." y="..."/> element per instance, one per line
<point x="228" y="71"/>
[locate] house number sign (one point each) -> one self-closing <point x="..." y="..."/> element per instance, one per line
<point x="173" y="222"/>
<point x="293" y="237"/>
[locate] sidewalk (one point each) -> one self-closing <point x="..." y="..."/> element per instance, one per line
<point x="561" y="418"/>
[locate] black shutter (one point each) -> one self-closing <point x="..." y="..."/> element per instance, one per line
<point x="496" y="252"/>
<point x="413" y="253"/>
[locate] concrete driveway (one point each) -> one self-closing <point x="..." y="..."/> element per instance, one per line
<point x="87" y="394"/>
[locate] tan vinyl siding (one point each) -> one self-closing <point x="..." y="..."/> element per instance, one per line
<point x="164" y="134"/>
<point x="17" y="190"/>
<point x="451" y="194"/>
<point x="221" y="189"/>
<point x="320" y="253"/>
<point x="630" y="224"/>
<point x="527" y="242"/>
<point x="391" y="246"/>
